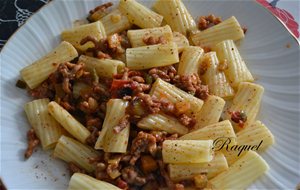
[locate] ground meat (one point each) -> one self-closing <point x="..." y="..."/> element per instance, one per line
<point x="91" y="140"/>
<point x="150" y="103"/>
<point x="69" y="73"/>
<point x="45" y="90"/>
<point x="223" y="65"/>
<point x="150" y="40"/>
<point x="132" y="176"/>
<point x="186" y="120"/>
<point x="206" y="63"/>
<point x="99" y="12"/>
<point x="100" y="171"/>
<point x="100" y="47"/>
<point x="93" y="121"/>
<point x="178" y="186"/>
<point x="33" y="142"/>
<point x="208" y="21"/>
<point x="89" y="106"/>
<point x="123" y="123"/>
<point x="166" y="73"/>
<point x="191" y="84"/>
<point x="239" y="117"/>
<point x="165" y="175"/>
<point x="144" y="142"/>
<point x="75" y="169"/>
<point x="114" y="43"/>
<point x="121" y="184"/>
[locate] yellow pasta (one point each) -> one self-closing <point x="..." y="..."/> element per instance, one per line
<point x="165" y="90"/>
<point x="70" y="150"/>
<point x="187" y="151"/>
<point x="138" y="37"/>
<point x="176" y="15"/>
<point x="229" y="29"/>
<point x="162" y="122"/>
<point x="81" y="181"/>
<point x="40" y="70"/>
<point x="47" y="129"/>
<point x="68" y="122"/>
<point x="242" y="173"/>
<point x="108" y="140"/>
<point x="140" y="15"/>
<point x="190" y="60"/>
<point x="75" y="35"/>
<point x="179" y="172"/>
<point x="236" y="70"/>
<point x="247" y="99"/>
<point x="210" y="112"/>
<point x="151" y="56"/>
<point x="219" y="131"/>
<point x="115" y="22"/>
<point x="214" y="77"/>
<point x="103" y="67"/>
<point x="181" y="41"/>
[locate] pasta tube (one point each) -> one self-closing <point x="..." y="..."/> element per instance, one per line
<point x="108" y="140"/>
<point x="181" y="41"/>
<point x="40" y="70"/>
<point x="190" y="60"/>
<point x="68" y="122"/>
<point x="81" y="181"/>
<point x="210" y="112"/>
<point x="137" y="37"/>
<point x="70" y="150"/>
<point x="75" y="35"/>
<point x="242" y="173"/>
<point x="214" y="132"/>
<point x="45" y="126"/>
<point x="179" y="172"/>
<point x="236" y="70"/>
<point x="214" y="77"/>
<point x="256" y="135"/>
<point x="104" y="67"/>
<point x="140" y="15"/>
<point x="115" y="22"/>
<point x="162" y="122"/>
<point x="152" y="56"/>
<point x="228" y="29"/>
<point x="187" y="151"/>
<point x="176" y="15"/>
<point x="162" y="89"/>
<point x="247" y="99"/>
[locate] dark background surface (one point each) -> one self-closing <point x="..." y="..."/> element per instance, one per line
<point x="14" y="13"/>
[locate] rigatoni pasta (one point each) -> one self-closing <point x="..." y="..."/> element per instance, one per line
<point x="46" y="127"/>
<point x="103" y="67"/>
<point x="241" y="174"/>
<point x="139" y="37"/>
<point x="190" y="60"/>
<point x="139" y="14"/>
<point x="179" y="172"/>
<point x="181" y="41"/>
<point x="115" y="22"/>
<point x="152" y="56"/>
<point x="109" y="140"/>
<point x="70" y="150"/>
<point x="40" y="70"/>
<point x="162" y="122"/>
<point x="229" y="29"/>
<point x="236" y="70"/>
<point x="69" y="123"/>
<point x="176" y="15"/>
<point x="81" y="181"/>
<point x="75" y="35"/>
<point x="214" y="77"/>
<point x="210" y="112"/>
<point x="187" y="151"/>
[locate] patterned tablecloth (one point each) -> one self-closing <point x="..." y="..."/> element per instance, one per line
<point x="13" y="13"/>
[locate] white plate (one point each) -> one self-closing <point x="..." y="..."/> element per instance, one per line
<point x="265" y="50"/>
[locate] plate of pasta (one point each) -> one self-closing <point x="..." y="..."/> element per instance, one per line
<point x="162" y="94"/>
